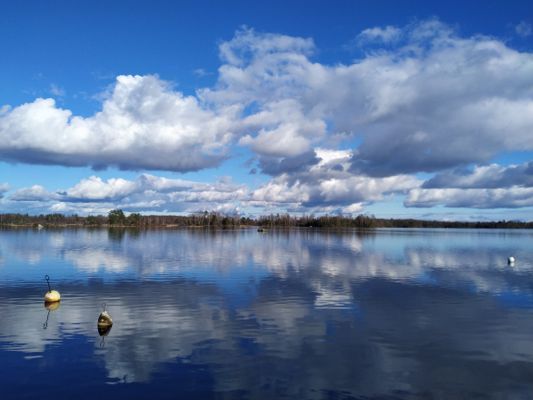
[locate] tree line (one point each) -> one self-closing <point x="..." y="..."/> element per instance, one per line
<point x="118" y="218"/>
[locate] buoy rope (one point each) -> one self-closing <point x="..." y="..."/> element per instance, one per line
<point x="48" y="282"/>
<point x="45" y="325"/>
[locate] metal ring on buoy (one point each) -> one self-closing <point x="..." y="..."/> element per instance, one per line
<point x="51" y="296"/>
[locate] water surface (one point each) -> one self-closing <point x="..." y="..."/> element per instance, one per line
<point x="300" y="314"/>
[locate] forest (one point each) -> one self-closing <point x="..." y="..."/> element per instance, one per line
<point x="117" y="218"/>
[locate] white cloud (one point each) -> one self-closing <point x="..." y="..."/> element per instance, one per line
<point x="434" y="100"/>
<point x="57" y="90"/>
<point x="428" y="101"/>
<point x="385" y="35"/>
<point x="437" y="100"/>
<point x="512" y="197"/>
<point x="485" y="176"/>
<point x="487" y="186"/>
<point x="245" y="44"/>
<point x="94" y="188"/>
<point x="200" y="72"/>
<point x="142" y="124"/>
<point x="279" y="190"/>
<point x="33" y="193"/>
<point x="147" y="193"/>
<point x="362" y="188"/>
<point x="324" y="187"/>
<point x="80" y="208"/>
<point x="354" y="208"/>
<point x="523" y="29"/>
<point x="329" y="156"/>
<point x="329" y="183"/>
<point x="282" y="130"/>
<point x="4" y="187"/>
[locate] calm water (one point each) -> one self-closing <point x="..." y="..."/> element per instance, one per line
<point x="303" y="314"/>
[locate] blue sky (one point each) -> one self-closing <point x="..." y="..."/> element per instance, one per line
<point x="391" y="108"/>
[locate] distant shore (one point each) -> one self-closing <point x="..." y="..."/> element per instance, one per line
<point x="117" y="219"/>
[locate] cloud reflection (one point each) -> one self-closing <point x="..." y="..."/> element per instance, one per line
<point x="364" y="314"/>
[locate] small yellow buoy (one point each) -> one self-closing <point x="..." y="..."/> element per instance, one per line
<point x="51" y="296"/>
<point x="104" y="319"/>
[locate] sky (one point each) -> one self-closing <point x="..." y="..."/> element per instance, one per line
<point x="390" y="108"/>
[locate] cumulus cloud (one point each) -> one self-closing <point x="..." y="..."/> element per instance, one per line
<point x="280" y="165"/>
<point x="421" y="99"/>
<point x="323" y="185"/>
<point x="33" y="193"/>
<point x="435" y="100"/>
<point x="283" y="130"/>
<point x="512" y="197"/>
<point x="95" y="195"/>
<point x="266" y="73"/>
<point x="328" y="186"/>
<point x="487" y="176"/>
<point x="143" y="124"/>
<point x="94" y="188"/>
<point x="487" y="186"/>
<point x="455" y="102"/>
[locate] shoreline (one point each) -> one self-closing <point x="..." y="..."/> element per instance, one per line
<point x="213" y="220"/>
<point x="263" y="228"/>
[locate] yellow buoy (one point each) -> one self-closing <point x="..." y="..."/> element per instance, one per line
<point x="51" y="296"/>
<point x="104" y="319"/>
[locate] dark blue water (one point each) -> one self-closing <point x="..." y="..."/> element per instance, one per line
<point x="302" y="314"/>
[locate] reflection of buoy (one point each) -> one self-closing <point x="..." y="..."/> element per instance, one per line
<point x="52" y="306"/>
<point x="104" y="330"/>
<point x="511" y="260"/>
<point x="52" y="296"/>
<point x="104" y="319"/>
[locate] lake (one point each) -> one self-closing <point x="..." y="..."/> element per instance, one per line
<point x="241" y="314"/>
